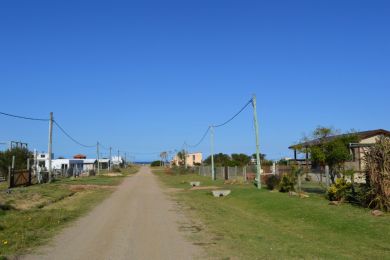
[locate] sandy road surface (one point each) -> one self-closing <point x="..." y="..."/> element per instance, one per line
<point x="136" y="222"/>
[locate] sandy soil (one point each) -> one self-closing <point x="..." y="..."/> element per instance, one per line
<point x="137" y="221"/>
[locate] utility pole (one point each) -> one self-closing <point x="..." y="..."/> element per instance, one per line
<point x="50" y="145"/>
<point x="212" y="152"/>
<point x="98" y="158"/>
<point x="110" y="159"/>
<point x="258" y="163"/>
<point x="185" y="155"/>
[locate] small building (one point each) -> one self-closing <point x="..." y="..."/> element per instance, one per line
<point x="65" y="164"/>
<point x="365" y="140"/>
<point x="89" y="164"/>
<point x="43" y="159"/>
<point x="117" y="160"/>
<point x="104" y="163"/>
<point x="191" y="159"/>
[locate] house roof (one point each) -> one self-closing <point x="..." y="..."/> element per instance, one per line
<point x="361" y="135"/>
<point x="89" y="161"/>
<point x="79" y="156"/>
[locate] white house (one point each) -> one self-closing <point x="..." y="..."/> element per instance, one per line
<point x="65" y="164"/>
<point x="104" y="163"/>
<point x="117" y="160"/>
<point x="89" y="164"/>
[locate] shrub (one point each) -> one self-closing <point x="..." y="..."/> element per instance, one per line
<point x="272" y="181"/>
<point x="155" y="164"/>
<point x="287" y="183"/>
<point x="341" y="190"/>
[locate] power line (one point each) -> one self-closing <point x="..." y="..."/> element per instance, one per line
<point x="71" y="138"/>
<point x="239" y="112"/>
<point x="219" y="125"/>
<point x="24" y="117"/>
<point x="201" y="139"/>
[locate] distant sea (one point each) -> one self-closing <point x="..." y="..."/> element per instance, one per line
<point x="142" y="162"/>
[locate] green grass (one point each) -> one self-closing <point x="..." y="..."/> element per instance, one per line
<point x="253" y="224"/>
<point x="31" y="216"/>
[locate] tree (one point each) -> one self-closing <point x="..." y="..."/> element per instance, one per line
<point x="21" y="156"/>
<point x="155" y="164"/>
<point x="220" y="159"/>
<point x="181" y="156"/>
<point x="240" y="159"/>
<point x="263" y="159"/>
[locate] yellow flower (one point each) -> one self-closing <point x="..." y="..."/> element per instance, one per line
<point x="5" y="242"/>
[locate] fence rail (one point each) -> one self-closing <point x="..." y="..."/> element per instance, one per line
<point x="246" y="172"/>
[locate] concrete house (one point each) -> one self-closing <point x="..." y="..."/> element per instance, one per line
<point x="89" y="164"/>
<point x="65" y="164"/>
<point x="191" y="160"/>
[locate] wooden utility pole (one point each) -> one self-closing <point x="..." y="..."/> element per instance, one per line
<point x="50" y="145"/>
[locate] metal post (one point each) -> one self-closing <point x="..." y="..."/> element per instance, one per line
<point x="258" y="163"/>
<point x="98" y="158"/>
<point x="212" y="152"/>
<point x="50" y="146"/>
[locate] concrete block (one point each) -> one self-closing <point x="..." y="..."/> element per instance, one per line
<point x="221" y="193"/>
<point x="195" y="183"/>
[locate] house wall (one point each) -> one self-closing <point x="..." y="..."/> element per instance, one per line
<point x="58" y="164"/>
<point x="191" y="159"/>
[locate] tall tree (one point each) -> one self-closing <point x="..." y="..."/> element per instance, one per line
<point x="240" y="159"/>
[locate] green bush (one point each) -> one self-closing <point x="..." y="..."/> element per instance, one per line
<point x="287" y="183"/>
<point x="341" y="190"/>
<point x="155" y="164"/>
<point x="272" y="181"/>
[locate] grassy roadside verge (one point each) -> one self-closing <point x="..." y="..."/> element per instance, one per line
<point x="31" y="216"/>
<point x="252" y="224"/>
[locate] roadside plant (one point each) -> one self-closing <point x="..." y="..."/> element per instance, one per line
<point x="272" y="181"/>
<point x="377" y="159"/>
<point x="339" y="191"/>
<point x="287" y="182"/>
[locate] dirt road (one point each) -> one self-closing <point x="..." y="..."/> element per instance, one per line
<point x="136" y="222"/>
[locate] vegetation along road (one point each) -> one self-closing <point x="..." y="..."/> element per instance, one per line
<point x="136" y="222"/>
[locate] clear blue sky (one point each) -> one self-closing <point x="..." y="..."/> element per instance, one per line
<point x="146" y="75"/>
